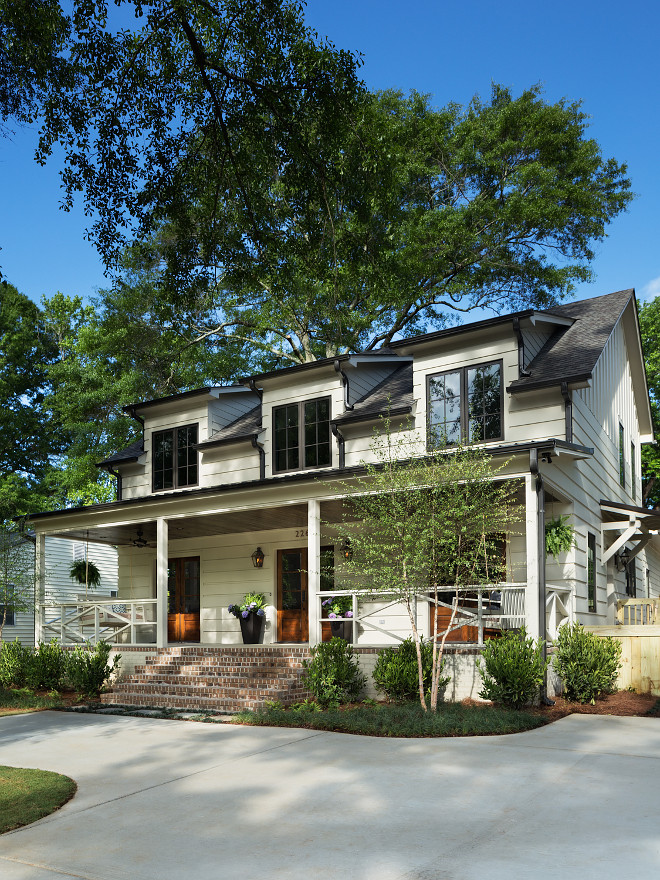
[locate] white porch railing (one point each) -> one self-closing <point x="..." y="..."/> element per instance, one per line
<point x="118" y="621"/>
<point x="480" y="608"/>
<point x="558" y="608"/>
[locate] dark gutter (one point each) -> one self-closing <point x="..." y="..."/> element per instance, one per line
<point x="345" y="383"/>
<point x="341" y="444"/>
<point x="303" y="477"/>
<point x="130" y="409"/>
<point x="262" y="456"/>
<point x="525" y="385"/>
<point x="402" y="410"/>
<point x="540" y="555"/>
<point x="522" y="371"/>
<point x="226" y="441"/>
<point x="568" y="411"/>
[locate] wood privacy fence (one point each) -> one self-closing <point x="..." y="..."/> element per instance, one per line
<point x="639" y="634"/>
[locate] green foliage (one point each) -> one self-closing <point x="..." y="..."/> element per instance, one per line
<point x="559" y="536"/>
<point x="333" y="673"/>
<point x="649" y="325"/>
<point x="513" y="669"/>
<point x="29" y="434"/>
<point x="400" y="719"/>
<point x="46" y="667"/>
<point x="16" y="573"/>
<point x="586" y="663"/>
<point x="88" y="668"/>
<point x="253" y="603"/>
<point x="85" y="571"/>
<point x="396" y="672"/>
<point x="14" y="664"/>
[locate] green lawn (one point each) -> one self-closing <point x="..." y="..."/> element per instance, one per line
<point x="406" y="719"/>
<point x="28" y="795"/>
<point x="25" y="700"/>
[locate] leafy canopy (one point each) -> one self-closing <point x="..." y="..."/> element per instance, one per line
<point x="649" y="325"/>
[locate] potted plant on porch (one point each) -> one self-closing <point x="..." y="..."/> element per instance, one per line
<point x="251" y="616"/>
<point x="339" y="610"/>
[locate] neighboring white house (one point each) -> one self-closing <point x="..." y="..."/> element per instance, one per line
<point x="219" y="472"/>
<point x="60" y="555"/>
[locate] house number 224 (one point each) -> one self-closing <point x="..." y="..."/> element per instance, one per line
<point x="301" y="533"/>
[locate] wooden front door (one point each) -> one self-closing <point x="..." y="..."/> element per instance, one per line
<point x="292" y="607"/>
<point x="183" y="600"/>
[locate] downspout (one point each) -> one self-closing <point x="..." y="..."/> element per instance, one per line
<point x="262" y="456"/>
<point x="134" y="415"/>
<point x="568" y="411"/>
<point x="340" y="440"/>
<point x="252" y="386"/>
<point x="540" y="506"/>
<point x="521" y="349"/>
<point x="344" y="381"/>
<point x="118" y="487"/>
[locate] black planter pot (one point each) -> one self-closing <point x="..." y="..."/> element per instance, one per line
<point x="342" y="629"/>
<point x="251" y="627"/>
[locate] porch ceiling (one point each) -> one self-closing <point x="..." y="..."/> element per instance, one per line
<point x="289" y="516"/>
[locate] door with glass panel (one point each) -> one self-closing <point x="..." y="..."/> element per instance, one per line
<point x="292" y="607"/>
<point x="183" y="600"/>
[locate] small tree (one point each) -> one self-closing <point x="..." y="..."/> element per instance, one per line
<point x="16" y="574"/>
<point x="422" y="524"/>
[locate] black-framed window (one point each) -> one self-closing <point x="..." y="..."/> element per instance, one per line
<point x="622" y="457"/>
<point x="633" y="472"/>
<point x="591" y="571"/>
<point x="11" y="619"/>
<point x="302" y="435"/>
<point x="631" y="579"/>
<point x="175" y="458"/>
<point x="465" y="405"/>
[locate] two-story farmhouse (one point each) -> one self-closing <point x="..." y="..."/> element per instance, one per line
<point x="230" y="488"/>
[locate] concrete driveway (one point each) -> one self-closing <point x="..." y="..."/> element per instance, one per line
<point x="172" y="799"/>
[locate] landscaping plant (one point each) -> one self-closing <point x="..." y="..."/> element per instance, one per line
<point x="396" y="675"/>
<point x="333" y="674"/>
<point x="14" y="664"/>
<point x="88" y="668"/>
<point x="253" y="603"/>
<point x="46" y="666"/>
<point x="586" y="663"/>
<point x="512" y="669"/>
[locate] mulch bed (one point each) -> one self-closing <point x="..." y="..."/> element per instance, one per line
<point x="621" y="703"/>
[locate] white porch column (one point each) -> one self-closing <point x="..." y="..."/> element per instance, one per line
<point x="39" y="587"/>
<point x="313" y="568"/>
<point x="161" y="582"/>
<point x="532" y="607"/>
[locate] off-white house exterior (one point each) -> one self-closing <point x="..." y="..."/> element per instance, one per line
<point x="560" y="395"/>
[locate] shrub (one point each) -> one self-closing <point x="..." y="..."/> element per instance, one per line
<point x="46" y="667"/>
<point x="396" y="673"/>
<point x="587" y="664"/>
<point x="14" y="664"/>
<point x="333" y="674"/>
<point x="513" y="669"/>
<point x="88" y="668"/>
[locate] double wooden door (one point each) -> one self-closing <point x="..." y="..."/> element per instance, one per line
<point x="183" y="600"/>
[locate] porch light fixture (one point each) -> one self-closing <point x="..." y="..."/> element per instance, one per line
<point x="140" y="541"/>
<point x="258" y="558"/>
<point x="346" y="549"/>
<point x="622" y="559"/>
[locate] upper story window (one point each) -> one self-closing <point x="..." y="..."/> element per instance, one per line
<point x="466" y="405"/>
<point x="175" y="458"/>
<point x="302" y="435"/>
<point x="622" y="457"/>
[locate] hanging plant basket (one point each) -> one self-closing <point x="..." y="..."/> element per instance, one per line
<point x="559" y="536"/>
<point x="85" y="572"/>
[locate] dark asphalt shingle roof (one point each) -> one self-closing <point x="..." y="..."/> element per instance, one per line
<point x="394" y="392"/>
<point x="571" y="353"/>
<point x="242" y="428"/>
<point x="131" y="453"/>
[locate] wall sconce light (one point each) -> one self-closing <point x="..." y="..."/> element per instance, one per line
<point x="622" y="559"/>
<point x="346" y="549"/>
<point x="258" y="558"/>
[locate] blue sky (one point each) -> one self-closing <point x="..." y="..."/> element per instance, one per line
<point x="602" y="53"/>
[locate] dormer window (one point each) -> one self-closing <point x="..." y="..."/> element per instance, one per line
<point x="175" y="458"/>
<point x="465" y="405"/>
<point x="302" y="435"/>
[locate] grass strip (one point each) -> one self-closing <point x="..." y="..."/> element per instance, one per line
<point x="24" y="700"/>
<point x="404" y="720"/>
<point x="28" y="795"/>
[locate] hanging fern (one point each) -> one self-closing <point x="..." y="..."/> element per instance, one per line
<point x="559" y="536"/>
<point x="85" y="571"/>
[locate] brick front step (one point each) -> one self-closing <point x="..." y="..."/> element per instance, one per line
<point x="225" y="679"/>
